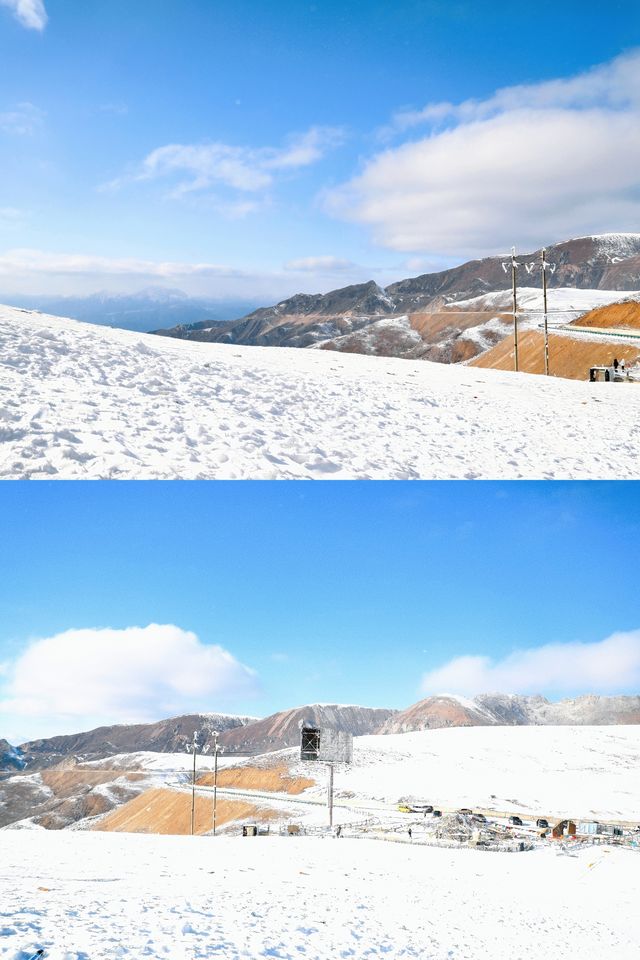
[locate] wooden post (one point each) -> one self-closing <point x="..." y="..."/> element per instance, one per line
<point x="330" y="793"/>
<point x="546" y="326"/>
<point x="215" y="781"/>
<point x="514" y="283"/>
<point x="193" y="788"/>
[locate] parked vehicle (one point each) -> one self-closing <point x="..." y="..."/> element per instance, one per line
<point x="541" y="822"/>
<point x="466" y="811"/>
<point x="437" y="813"/>
<point x="516" y="821"/>
<point x="480" y="817"/>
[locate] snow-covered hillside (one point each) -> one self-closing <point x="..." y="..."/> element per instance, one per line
<point x="79" y="401"/>
<point x="103" y="896"/>
<point x="563" y="303"/>
<point x="568" y="771"/>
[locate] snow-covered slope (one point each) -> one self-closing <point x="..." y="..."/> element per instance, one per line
<point x="79" y="401"/>
<point x="575" y="771"/>
<point x="103" y="896"/>
<point x="563" y="304"/>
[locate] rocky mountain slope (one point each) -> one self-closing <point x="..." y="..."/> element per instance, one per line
<point x="513" y="710"/>
<point x="10" y="757"/>
<point x="250" y="736"/>
<point x="428" y="320"/>
<point x="283" y="729"/>
<point x="174" y="735"/>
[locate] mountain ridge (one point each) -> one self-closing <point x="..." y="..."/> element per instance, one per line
<point x="279" y="730"/>
<point x="340" y="319"/>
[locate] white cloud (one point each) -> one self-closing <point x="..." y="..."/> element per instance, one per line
<point x="44" y="272"/>
<point x="85" y="678"/>
<point x="10" y="216"/>
<point x="30" y="13"/>
<point x="193" y="168"/>
<point x="29" y="262"/>
<point x="530" y="164"/>
<point x="22" y="120"/>
<point x="315" y="264"/>
<point x="608" y="666"/>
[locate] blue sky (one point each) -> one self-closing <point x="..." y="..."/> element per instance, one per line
<point x="352" y="593"/>
<point x="256" y="149"/>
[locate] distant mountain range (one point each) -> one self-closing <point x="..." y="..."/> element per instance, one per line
<point x="248" y="735"/>
<point x="143" y="311"/>
<point x="513" y="710"/>
<point x="434" y="316"/>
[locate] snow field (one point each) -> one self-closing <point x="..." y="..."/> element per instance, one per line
<point x="80" y="401"/>
<point x="104" y="896"/>
<point x="578" y="771"/>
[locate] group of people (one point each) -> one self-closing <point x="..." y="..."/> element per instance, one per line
<point x="618" y="365"/>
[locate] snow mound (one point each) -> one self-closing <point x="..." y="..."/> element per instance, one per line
<point x="99" y="895"/>
<point x="81" y="401"/>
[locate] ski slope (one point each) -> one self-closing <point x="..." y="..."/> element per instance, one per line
<point x="81" y="401"/>
<point x="106" y="896"/>
<point x="578" y="771"/>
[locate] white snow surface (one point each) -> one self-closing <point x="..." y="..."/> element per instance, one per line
<point x="577" y="771"/>
<point x="82" y="401"/>
<point x="160" y="763"/>
<point x="563" y="303"/>
<point x="105" y="896"/>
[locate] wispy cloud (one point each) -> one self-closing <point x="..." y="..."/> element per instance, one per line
<point x="196" y="168"/>
<point x="118" y="109"/>
<point x="528" y="164"/>
<point x="28" y="261"/>
<point x="315" y="264"/>
<point x="11" y="216"/>
<point x="22" y="120"/>
<point x="42" y="271"/>
<point x="84" y="678"/>
<point x="607" y="666"/>
<point x="30" y="13"/>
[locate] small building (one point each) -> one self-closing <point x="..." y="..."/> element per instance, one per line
<point x="607" y="375"/>
<point x="588" y="827"/>
<point x="609" y="830"/>
<point x="564" y="828"/>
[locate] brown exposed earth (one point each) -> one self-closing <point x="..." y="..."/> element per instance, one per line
<point x="169" y="812"/>
<point x="276" y="779"/>
<point x="436" y="712"/>
<point x="568" y="356"/>
<point x="66" y="783"/>
<point x="615" y="315"/>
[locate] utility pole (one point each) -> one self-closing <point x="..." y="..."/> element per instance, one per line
<point x="215" y="779"/>
<point x="544" y="300"/>
<point x="514" y="294"/>
<point x="330" y="792"/>
<point x="193" y="785"/>
<point x="514" y="284"/>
